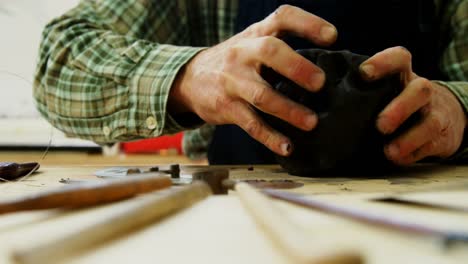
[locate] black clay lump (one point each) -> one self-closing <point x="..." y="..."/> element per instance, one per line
<point x="345" y="139"/>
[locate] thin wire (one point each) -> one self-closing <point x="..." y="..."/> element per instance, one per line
<point x="17" y="75"/>
<point x="42" y="158"/>
<point x="50" y="135"/>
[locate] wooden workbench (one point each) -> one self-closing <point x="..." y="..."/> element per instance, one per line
<point x="219" y="230"/>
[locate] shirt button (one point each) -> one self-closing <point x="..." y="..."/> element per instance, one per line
<point x="106" y="130"/>
<point x="151" y="122"/>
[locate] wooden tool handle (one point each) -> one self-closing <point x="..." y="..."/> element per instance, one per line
<point x="140" y="213"/>
<point x="87" y="194"/>
<point x="288" y="237"/>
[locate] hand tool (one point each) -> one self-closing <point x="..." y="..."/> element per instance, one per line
<point x="448" y="237"/>
<point x="217" y="173"/>
<point x="120" y="172"/>
<point x="87" y="194"/>
<point x="409" y="201"/>
<point x="294" y="242"/>
<point x="214" y="176"/>
<point x="220" y="183"/>
<point x="139" y="213"/>
<point x="123" y="221"/>
<point x="13" y="170"/>
<point x="449" y="196"/>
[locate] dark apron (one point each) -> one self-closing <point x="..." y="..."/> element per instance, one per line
<point x="364" y="27"/>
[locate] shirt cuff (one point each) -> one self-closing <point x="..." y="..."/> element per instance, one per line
<point x="150" y="85"/>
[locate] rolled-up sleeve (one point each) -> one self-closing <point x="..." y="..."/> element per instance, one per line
<point x="103" y="73"/>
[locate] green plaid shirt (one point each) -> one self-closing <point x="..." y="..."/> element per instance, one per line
<point x="106" y="67"/>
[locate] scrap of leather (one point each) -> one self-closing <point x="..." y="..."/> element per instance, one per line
<point x="13" y="170"/>
<point x="345" y="139"/>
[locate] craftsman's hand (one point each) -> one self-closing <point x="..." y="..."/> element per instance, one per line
<point x="222" y="84"/>
<point x="440" y="131"/>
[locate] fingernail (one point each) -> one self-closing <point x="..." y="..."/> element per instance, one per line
<point x="368" y="70"/>
<point x="382" y="125"/>
<point x="393" y="151"/>
<point x="310" y="121"/>
<point x="328" y="33"/>
<point x="403" y="47"/>
<point x="317" y="80"/>
<point x="285" y="149"/>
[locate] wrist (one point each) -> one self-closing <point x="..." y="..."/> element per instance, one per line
<point x="179" y="102"/>
<point x="180" y="97"/>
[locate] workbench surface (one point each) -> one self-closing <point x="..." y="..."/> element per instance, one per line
<point x="219" y="230"/>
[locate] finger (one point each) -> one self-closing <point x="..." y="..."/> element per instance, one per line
<point x="263" y="97"/>
<point x="404" y="147"/>
<point x="284" y="60"/>
<point x="387" y="62"/>
<point x="424" y="151"/>
<point x="416" y="95"/>
<point x="246" y="118"/>
<point x="299" y="22"/>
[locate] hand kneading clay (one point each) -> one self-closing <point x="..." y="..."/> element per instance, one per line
<point x="346" y="139"/>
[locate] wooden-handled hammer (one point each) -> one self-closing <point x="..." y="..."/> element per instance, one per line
<point x="137" y="215"/>
<point x="87" y="194"/>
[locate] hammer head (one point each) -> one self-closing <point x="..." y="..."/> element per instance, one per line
<point x="214" y="177"/>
